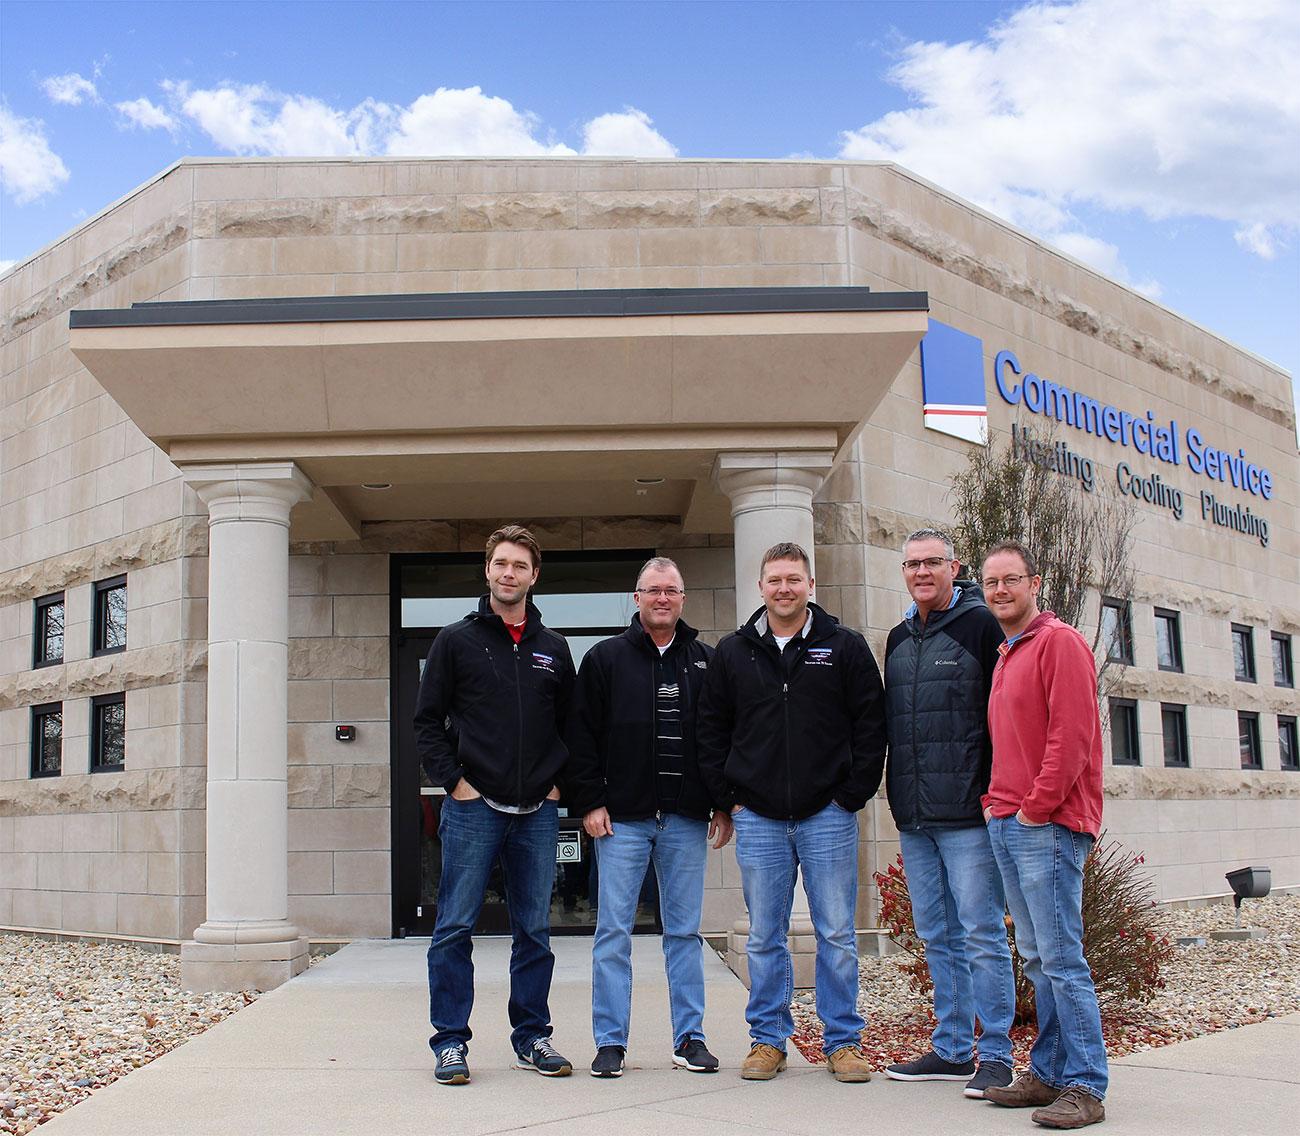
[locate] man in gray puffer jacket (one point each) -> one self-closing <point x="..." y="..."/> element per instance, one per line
<point x="938" y="668"/>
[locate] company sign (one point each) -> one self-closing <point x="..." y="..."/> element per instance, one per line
<point x="952" y="380"/>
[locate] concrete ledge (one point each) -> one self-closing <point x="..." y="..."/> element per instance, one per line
<point x="241" y="966"/>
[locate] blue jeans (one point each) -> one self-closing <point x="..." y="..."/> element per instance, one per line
<point x="473" y="835"/>
<point x="1042" y="872"/>
<point x="958" y="909"/>
<point x="677" y="846"/>
<point x="770" y="854"/>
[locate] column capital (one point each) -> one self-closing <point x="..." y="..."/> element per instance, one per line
<point x="249" y="491"/>
<point x="756" y="479"/>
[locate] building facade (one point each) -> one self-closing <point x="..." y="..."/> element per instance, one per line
<point x="259" y="416"/>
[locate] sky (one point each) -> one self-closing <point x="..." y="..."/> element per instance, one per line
<point x="1157" y="142"/>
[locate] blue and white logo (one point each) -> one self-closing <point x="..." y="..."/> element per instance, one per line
<point x="952" y="384"/>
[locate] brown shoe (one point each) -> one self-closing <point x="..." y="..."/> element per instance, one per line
<point x="1026" y="1091"/>
<point x="1074" y="1108"/>
<point x="763" y="1063"/>
<point x="849" y="1063"/>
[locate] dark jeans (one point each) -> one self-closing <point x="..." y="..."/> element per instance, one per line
<point x="473" y="835"/>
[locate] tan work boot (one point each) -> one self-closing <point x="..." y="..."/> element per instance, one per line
<point x="1026" y="1091"/>
<point x="1074" y="1108"/>
<point x="763" y="1063"/>
<point x="849" y="1063"/>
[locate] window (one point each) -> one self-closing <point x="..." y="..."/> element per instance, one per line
<point x="47" y="739"/>
<point x="110" y="616"/>
<point x="1286" y="742"/>
<point x="49" y="631"/>
<point x="1243" y="652"/>
<point x="1169" y="640"/>
<point x="1173" y="723"/>
<point x="1117" y="630"/>
<point x="1283" y="666"/>
<point x="107" y="733"/>
<point x="1248" y="741"/>
<point x="1124" y="732"/>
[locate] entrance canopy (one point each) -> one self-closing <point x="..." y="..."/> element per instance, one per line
<point x="521" y="403"/>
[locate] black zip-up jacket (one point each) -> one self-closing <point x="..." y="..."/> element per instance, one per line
<point x="937" y="678"/>
<point x="612" y="727"/>
<point x="492" y="711"/>
<point x="786" y="733"/>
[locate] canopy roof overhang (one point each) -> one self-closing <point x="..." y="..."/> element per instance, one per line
<point x="494" y="404"/>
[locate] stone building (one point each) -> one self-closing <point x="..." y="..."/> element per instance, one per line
<point x="259" y="415"/>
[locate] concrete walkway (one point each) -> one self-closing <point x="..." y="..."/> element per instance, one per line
<point x="343" y="1049"/>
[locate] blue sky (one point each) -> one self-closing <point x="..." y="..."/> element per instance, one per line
<point x="1158" y="142"/>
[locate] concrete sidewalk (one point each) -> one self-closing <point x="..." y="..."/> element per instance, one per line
<point x="343" y="1049"/>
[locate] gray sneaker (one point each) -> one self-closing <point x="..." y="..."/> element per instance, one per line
<point x="990" y="1074"/>
<point x="543" y="1058"/>
<point x="930" y="1067"/>
<point x="450" y="1066"/>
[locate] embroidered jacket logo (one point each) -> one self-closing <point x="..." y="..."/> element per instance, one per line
<point x="819" y="657"/>
<point x="543" y="662"/>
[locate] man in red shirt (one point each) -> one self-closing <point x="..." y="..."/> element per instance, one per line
<point x="1043" y="810"/>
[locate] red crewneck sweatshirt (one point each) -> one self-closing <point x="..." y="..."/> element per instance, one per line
<point x="1045" y="728"/>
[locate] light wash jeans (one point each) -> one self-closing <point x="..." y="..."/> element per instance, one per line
<point x="1042" y="872"/>
<point x="678" y="847"/>
<point x="771" y="853"/>
<point x="959" y="912"/>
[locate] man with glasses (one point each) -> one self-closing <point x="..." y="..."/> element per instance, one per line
<point x="938" y="667"/>
<point x="633" y="776"/>
<point x="1043" y="810"/>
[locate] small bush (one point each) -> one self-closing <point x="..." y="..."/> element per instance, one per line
<point x="1123" y="930"/>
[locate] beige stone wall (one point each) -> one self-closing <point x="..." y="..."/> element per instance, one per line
<point x="83" y="495"/>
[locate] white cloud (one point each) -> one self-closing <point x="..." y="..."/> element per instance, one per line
<point x="1173" y="110"/>
<point x="467" y="122"/>
<point x="6" y="265"/>
<point x="28" y="167"/>
<point x="145" y="115"/>
<point x="629" y="134"/>
<point x="70" y="89"/>
<point x="1103" y="256"/>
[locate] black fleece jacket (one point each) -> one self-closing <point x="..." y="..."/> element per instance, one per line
<point x="786" y="732"/>
<point x="492" y="711"/>
<point x="612" y="728"/>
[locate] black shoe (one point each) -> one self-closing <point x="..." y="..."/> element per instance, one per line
<point x="694" y="1055"/>
<point x="931" y="1067"/>
<point x="450" y="1066"/>
<point x="542" y="1057"/>
<point x="990" y="1074"/>
<point x="608" y="1061"/>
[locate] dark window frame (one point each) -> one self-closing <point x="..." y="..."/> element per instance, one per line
<point x="98" y="705"/>
<point x="1126" y="710"/>
<point x="1249" y="745"/>
<point x="40" y="636"/>
<point x="37" y="716"/>
<point x="1176" y="711"/>
<point x="1248" y="672"/>
<point x="100" y="621"/>
<point x="1124" y="639"/>
<point x="1173" y="621"/>
<point x="1286" y="726"/>
<point x="1287" y="670"/>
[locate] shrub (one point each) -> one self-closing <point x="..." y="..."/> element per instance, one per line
<point x="1123" y="930"/>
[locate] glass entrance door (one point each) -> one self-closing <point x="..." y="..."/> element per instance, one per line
<point x="586" y="597"/>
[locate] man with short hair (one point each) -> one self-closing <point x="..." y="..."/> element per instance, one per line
<point x="792" y="738"/>
<point x="488" y="723"/>
<point x="1043" y="809"/>
<point x="633" y="776"/>
<point x="938" y="667"/>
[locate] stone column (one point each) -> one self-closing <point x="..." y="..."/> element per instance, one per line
<point x="247" y="939"/>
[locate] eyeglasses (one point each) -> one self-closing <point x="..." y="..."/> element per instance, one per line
<point x="655" y="593"/>
<point x="933" y="563"/>
<point x="991" y="585"/>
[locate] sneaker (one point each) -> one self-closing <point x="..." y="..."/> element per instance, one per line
<point x="694" y="1055"/>
<point x="849" y="1063"/>
<point x="542" y="1057"/>
<point x="1074" y="1108"/>
<point x="763" y="1063"/>
<point x="990" y="1074"/>
<point x="1026" y="1091"/>
<point x="450" y="1066"/>
<point x="930" y="1067"/>
<point x="608" y="1061"/>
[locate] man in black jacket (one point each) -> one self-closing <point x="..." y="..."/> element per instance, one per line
<point x="938" y="668"/>
<point x="488" y="724"/>
<point x="791" y="737"/>
<point x="633" y="776"/>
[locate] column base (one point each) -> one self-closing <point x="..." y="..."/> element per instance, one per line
<point x="241" y="966"/>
